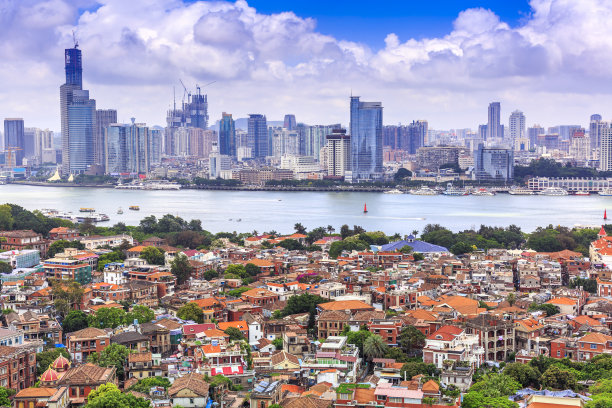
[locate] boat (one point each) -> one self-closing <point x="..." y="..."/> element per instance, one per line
<point x="605" y="192"/>
<point x="239" y="219"/>
<point x="394" y="191"/>
<point x="424" y="190"/>
<point x="161" y="185"/>
<point x="120" y="210"/>
<point x="520" y="191"/>
<point x="131" y="186"/>
<point x="582" y="193"/>
<point x="553" y="191"/>
<point x="87" y="209"/>
<point x="134" y="208"/>
<point x="483" y="192"/>
<point x="454" y="191"/>
<point x="365" y="208"/>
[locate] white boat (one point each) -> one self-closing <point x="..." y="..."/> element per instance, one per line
<point x="130" y="186"/>
<point x="424" y="190"/>
<point x="520" y="191"/>
<point x="454" y="191"/>
<point x="582" y="193"/>
<point x="155" y="185"/>
<point x="483" y="192"/>
<point x="553" y="191"/>
<point x="120" y="210"/>
<point x="394" y="191"/>
<point x="605" y="192"/>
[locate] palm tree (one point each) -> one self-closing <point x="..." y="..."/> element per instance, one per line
<point x="330" y="229"/>
<point x="511" y="298"/>
<point x="374" y="347"/>
<point x="415" y="233"/>
<point x="299" y="228"/>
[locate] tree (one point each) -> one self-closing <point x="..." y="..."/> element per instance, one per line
<point x="549" y="308"/>
<point x="299" y="228"/>
<point x="302" y="303"/>
<point x="401" y="174"/>
<point x="144" y="384"/>
<point x="5" y="267"/>
<point x="417" y="256"/>
<point x="461" y="248"/>
<point x="406" y="249"/>
<point x="75" y="320"/>
<point x="312" y="328"/>
<point x="237" y="270"/>
<point x="238" y="291"/>
<point x="107" y="318"/>
<point x="181" y="268"/>
<point x="153" y="255"/>
<point x="113" y="355"/>
<point x="141" y="313"/>
<point x="511" y="298"/>
<point x="474" y="399"/>
<point x="525" y="374"/>
<point x="67" y="295"/>
<point x="557" y="378"/>
<point x="358" y="338"/>
<point x="345" y="231"/>
<point x="45" y="358"/>
<point x="412" y="368"/>
<point x="291" y="245"/>
<point x="114" y="256"/>
<point x="6" y="218"/>
<point x="109" y="396"/>
<point x="60" y="245"/>
<point x="496" y="385"/>
<point x="278" y="343"/>
<point x="5" y="394"/>
<point x="234" y="333"/>
<point x="191" y="311"/>
<point x="411" y="338"/>
<point x="211" y="274"/>
<point x="396" y="354"/>
<point x="252" y="269"/>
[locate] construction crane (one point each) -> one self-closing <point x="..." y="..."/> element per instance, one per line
<point x="185" y="92"/>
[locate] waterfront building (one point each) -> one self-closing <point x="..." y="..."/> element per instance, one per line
<point x="289" y="122"/>
<point x="104" y="117"/>
<point x="227" y="135"/>
<point x="570" y="184"/>
<point x="432" y="158"/>
<point x="580" y="146"/>
<point x="284" y="142"/>
<point x="315" y="139"/>
<point x="218" y="163"/>
<point x="14" y="137"/>
<point x="595" y="127"/>
<point x="127" y="148"/>
<point x="257" y="137"/>
<point x="338" y="153"/>
<point x="300" y="165"/>
<point x="517" y="126"/>
<point x="81" y="129"/>
<point x="138" y="141"/>
<point x="494" y="164"/>
<point x="155" y="147"/>
<point x="115" y="140"/>
<point x="366" y="140"/>
<point x="494" y="129"/>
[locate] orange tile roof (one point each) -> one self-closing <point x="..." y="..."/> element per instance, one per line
<point x="346" y="305"/>
<point x="262" y="263"/>
<point x="138" y="248"/>
<point x="239" y="324"/>
<point x="562" y="301"/>
<point x="595" y="338"/>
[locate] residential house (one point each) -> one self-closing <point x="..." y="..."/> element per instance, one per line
<point x="84" y="342"/>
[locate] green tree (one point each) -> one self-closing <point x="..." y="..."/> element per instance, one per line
<point x="114" y="256"/>
<point x="600" y="401"/>
<point x="511" y="298"/>
<point x="549" y="308"/>
<point x="358" y="338"/>
<point x="234" y="333"/>
<point x="109" y="396"/>
<point x="45" y="358"/>
<point x="557" y="378"/>
<point x="5" y="394"/>
<point x="291" y="245"/>
<point x="411" y="338"/>
<point x="302" y="303"/>
<point x="278" y="343"/>
<point x="474" y="399"/>
<point x="412" y="368"/>
<point x="299" y="228"/>
<point x="113" y="355"/>
<point x="461" y="248"/>
<point x="141" y="313"/>
<point x="75" y="320"/>
<point x="107" y="318"/>
<point x="418" y="256"/>
<point x="238" y="291"/>
<point x="237" y="270"/>
<point x="181" y="268"/>
<point x="406" y="249"/>
<point x="6" y="218"/>
<point x="5" y="267"/>
<point x="153" y="255"/>
<point x="525" y="374"/>
<point x="191" y="311"/>
<point x="67" y="296"/>
<point x="590" y="285"/>
<point x="252" y="269"/>
<point x="60" y="245"/>
<point x="211" y="274"/>
<point x="145" y="384"/>
<point x="496" y="385"/>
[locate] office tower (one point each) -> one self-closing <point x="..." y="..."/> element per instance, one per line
<point x="81" y="129"/>
<point x="104" y="117"/>
<point x="533" y="133"/>
<point x="301" y="130"/>
<point x="174" y="121"/>
<point x="14" y="141"/>
<point x="366" y="140"/>
<point x="338" y="153"/>
<point x="227" y="135"/>
<point x="29" y="143"/>
<point x="315" y="139"/>
<point x="517" y="125"/>
<point x="257" y="139"/>
<point x="417" y="132"/>
<point x="115" y="148"/>
<point x="493" y="125"/>
<point x="137" y="144"/>
<point x="566" y="131"/>
<point x="155" y="147"/>
<point x="595" y="127"/>
<point x="289" y="122"/>
<point x="605" y="153"/>
<point x="482" y="132"/>
<point x="43" y="140"/>
<point x="218" y="163"/>
<point x="284" y="142"/>
<point x="74" y="81"/>
<point x="494" y="164"/>
<point x="73" y="66"/>
<point x="580" y="146"/>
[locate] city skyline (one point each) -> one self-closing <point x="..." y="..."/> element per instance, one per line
<point x="528" y="63"/>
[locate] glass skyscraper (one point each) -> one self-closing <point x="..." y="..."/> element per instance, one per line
<point x="81" y="128"/>
<point x="366" y="140"/>
<point x="115" y="140"/>
<point x="258" y="139"/>
<point x="227" y="135"/>
<point x="73" y="66"/>
<point x="14" y="137"/>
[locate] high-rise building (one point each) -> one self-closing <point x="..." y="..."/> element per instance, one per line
<point x="14" y="140"/>
<point x="81" y="129"/>
<point x="290" y="122"/>
<point x="127" y="148"/>
<point x="104" y="117"/>
<point x="115" y="148"/>
<point x="338" y="153"/>
<point x="493" y="125"/>
<point x="517" y="125"/>
<point x="315" y="139"/>
<point x="138" y="140"/>
<point x="482" y="132"/>
<point x="284" y="142"/>
<point x="417" y="133"/>
<point x="258" y="139"/>
<point x="227" y="135"/>
<point x="73" y="66"/>
<point x="366" y="140"/>
<point x="595" y="127"/>
<point x="580" y="146"/>
<point x="218" y="163"/>
<point x="494" y="164"/>
<point x="155" y="147"/>
<point x="196" y="110"/>
<point x="192" y="114"/>
<point x="605" y="152"/>
<point x="74" y="81"/>
<point x="533" y="133"/>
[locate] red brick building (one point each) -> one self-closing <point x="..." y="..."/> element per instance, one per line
<point x="84" y="342"/>
<point x="23" y="239"/>
<point x="17" y="367"/>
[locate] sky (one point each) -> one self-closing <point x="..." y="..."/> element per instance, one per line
<point x="442" y="61"/>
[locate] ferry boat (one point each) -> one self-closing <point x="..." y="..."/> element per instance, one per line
<point x="161" y="185"/>
<point x="134" y="208"/>
<point x="520" y="191"/>
<point x="87" y="209"/>
<point x="454" y="191"/>
<point x="90" y="217"/>
<point x="394" y="191"/>
<point x="582" y="193"/>
<point x="605" y="192"/>
<point x="483" y="192"/>
<point x="424" y="190"/>
<point x="553" y="191"/>
<point x="129" y="186"/>
<point x="120" y="210"/>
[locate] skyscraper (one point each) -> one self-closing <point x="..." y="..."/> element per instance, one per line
<point x="127" y="148"/>
<point x="605" y="154"/>
<point x="257" y="138"/>
<point x="366" y="140"/>
<point x="73" y="66"/>
<point x="338" y="153"/>
<point x="494" y="163"/>
<point x="417" y="133"/>
<point x="290" y="123"/>
<point x="227" y="135"/>
<point x="81" y="129"/>
<point x="533" y="133"/>
<point x="138" y="140"/>
<point x="155" y="147"/>
<point x="595" y="127"/>
<point x="74" y="81"/>
<point x="104" y="117"/>
<point x="14" y="137"/>
<point x="196" y="110"/>
<point x="493" y="125"/>
<point x="517" y="125"/>
<point x="115" y="155"/>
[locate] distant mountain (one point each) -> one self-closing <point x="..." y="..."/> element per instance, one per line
<point x="243" y="123"/>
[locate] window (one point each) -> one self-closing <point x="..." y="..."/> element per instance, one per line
<point x="593" y="346"/>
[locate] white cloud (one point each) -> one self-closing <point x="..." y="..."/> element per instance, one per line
<point x="555" y="66"/>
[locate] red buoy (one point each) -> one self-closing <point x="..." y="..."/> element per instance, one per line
<point x="605" y="215"/>
<point x="365" y="208"/>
